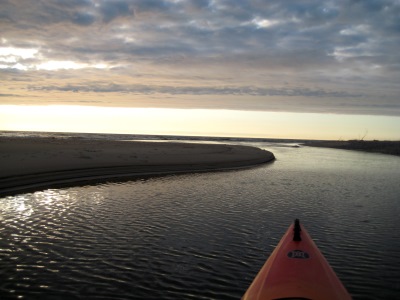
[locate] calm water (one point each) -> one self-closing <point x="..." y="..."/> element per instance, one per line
<point x="205" y="236"/>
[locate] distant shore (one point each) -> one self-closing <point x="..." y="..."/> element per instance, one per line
<point x="32" y="163"/>
<point x="385" y="147"/>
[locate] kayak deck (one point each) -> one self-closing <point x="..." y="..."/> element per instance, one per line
<point x="296" y="269"/>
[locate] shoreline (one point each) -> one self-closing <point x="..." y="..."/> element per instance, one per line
<point x="383" y="147"/>
<point x="32" y="163"/>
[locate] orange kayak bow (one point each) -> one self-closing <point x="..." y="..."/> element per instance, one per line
<point x="296" y="269"/>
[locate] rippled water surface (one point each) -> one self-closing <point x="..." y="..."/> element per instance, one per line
<point x="204" y="236"/>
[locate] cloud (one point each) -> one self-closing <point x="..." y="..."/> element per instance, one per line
<point x="111" y="10"/>
<point x="195" y="90"/>
<point x="322" y="48"/>
<point x="9" y="95"/>
<point x="207" y="28"/>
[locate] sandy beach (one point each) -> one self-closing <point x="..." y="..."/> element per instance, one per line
<point x="33" y="163"/>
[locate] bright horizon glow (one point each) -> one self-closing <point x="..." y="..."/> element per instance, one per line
<point x="197" y="122"/>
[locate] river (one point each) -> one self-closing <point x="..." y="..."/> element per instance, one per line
<point x="205" y="236"/>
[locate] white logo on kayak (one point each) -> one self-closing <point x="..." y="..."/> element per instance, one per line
<point x="298" y="254"/>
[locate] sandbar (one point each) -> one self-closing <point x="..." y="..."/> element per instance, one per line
<point x="32" y="163"/>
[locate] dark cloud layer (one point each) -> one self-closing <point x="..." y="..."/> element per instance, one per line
<point x="333" y="48"/>
<point x="195" y="90"/>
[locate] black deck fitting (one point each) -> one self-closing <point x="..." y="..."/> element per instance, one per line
<point x="297" y="230"/>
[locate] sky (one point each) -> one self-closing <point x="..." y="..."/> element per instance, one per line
<point x="291" y="69"/>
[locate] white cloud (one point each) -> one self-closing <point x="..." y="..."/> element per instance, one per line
<point x="264" y="23"/>
<point x="355" y="30"/>
<point x="54" y="65"/>
<point x="12" y="57"/>
<point x="25" y="59"/>
<point x="23" y="53"/>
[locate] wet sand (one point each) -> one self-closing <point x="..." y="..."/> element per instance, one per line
<point x="35" y="163"/>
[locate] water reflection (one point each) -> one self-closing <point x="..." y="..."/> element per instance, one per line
<point x="19" y="206"/>
<point x="204" y="236"/>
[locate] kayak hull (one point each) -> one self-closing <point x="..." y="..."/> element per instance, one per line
<point x="296" y="269"/>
